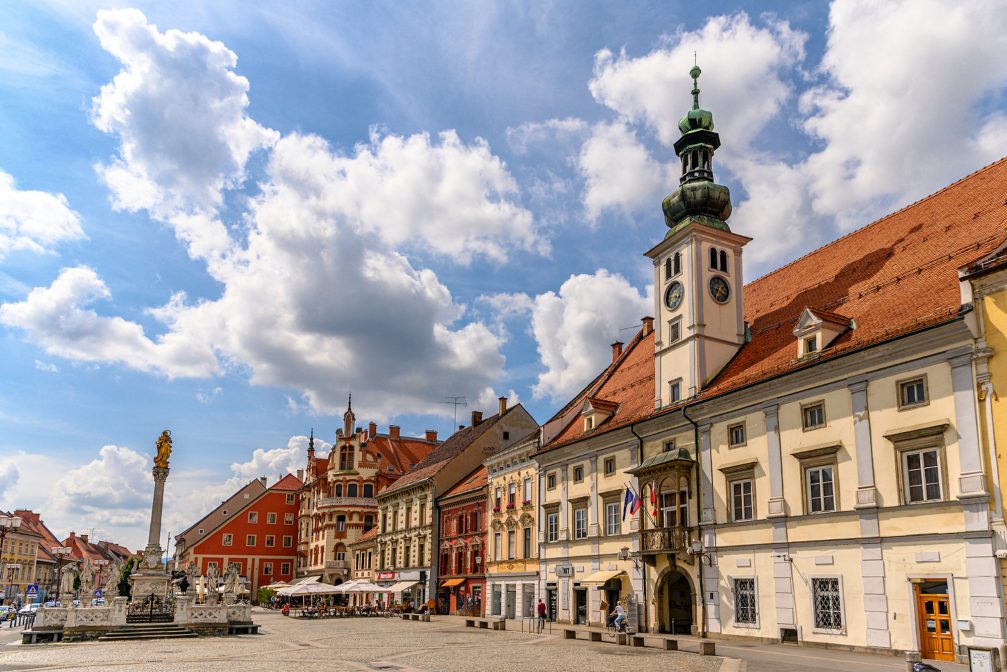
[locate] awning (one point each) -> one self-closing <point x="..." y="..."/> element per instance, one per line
<point x="451" y="583"/>
<point x="601" y="578"/>
<point x="401" y="585"/>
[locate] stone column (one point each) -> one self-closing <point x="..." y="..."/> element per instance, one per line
<point x="777" y="505"/>
<point x="867" y="495"/>
<point x="783" y="575"/>
<point x="972" y="482"/>
<point x="154" y="535"/>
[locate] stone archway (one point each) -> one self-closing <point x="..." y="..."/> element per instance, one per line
<point x="676" y="601"/>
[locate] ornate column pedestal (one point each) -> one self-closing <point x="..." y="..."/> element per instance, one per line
<point x="150" y="578"/>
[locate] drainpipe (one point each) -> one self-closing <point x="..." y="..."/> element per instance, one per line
<point x="639" y="461"/>
<point x="699" y="518"/>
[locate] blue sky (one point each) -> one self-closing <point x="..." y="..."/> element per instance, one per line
<point x="222" y="219"/>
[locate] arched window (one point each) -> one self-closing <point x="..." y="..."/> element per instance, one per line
<point x="351" y="489"/>
<point x="338" y="490"/>
<point x="713" y="258"/>
<point x="677" y="264"/>
<point x="368" y="489"/>
<point x="667" y="269"/>
<point x="723" y="261"/>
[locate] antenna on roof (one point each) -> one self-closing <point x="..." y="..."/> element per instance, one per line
<point x="456" y="402"/>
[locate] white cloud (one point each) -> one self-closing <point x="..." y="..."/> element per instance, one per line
<point x="901" y="113"/>
<point x="48" y="367"/>
<point x="111" y="491"/>
<point x="273" y="462"/>
<point x="9" y="476"/>
<point x="205" y="396"/>
<point x="741" y="82"/>
<point x="575" y="328"/>
<point x="619" y="172"/>
<point x="58" y="319"/>
<point x="34" y="220"/>
<point x="524" y="137"/>
<point x="178" y="108"/>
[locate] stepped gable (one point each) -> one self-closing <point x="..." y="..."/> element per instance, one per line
<point x="894" y="276"/>
<point x="627" y="383"/>
<point x="441" y="455"/>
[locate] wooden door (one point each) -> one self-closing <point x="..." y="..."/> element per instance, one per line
<point x="936" y="638"/>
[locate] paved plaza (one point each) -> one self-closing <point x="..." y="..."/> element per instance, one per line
<point x="351" y="644"/>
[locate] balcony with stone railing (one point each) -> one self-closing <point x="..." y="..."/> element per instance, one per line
<point x="342" y="565"/>
<point x="348" y="501"/>
<point x="667" y="540"/>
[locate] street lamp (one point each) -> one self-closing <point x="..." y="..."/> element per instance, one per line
<point x="626" y="554"/>
<point x="61" y="553"/>
<point x="8" y="524"/>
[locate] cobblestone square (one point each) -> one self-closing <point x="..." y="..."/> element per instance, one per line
<point x="353" y="644"/>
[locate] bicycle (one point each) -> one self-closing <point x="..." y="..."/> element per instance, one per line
<point x="612" y="630"/>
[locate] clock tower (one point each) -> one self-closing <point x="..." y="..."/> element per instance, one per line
<point x="697" y="269"/>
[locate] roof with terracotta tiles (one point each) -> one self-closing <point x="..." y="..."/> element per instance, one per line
<point x="628" y="383"/>
<point x="470" y="483"/>
<point x="400" y="453"/>
<point x="368" y="536"/>
<point x="440" y="456"/>
<point x="894" y="276"/>
<point x="288" y="482"/>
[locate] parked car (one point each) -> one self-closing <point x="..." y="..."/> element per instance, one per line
<point x="29" y="609"/>
<point x="98" y="602"/>
<point x="6" y="612"/>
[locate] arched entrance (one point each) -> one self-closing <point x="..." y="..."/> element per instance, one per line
<point x="676" y="602"/>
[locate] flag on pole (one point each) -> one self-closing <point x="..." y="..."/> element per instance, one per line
<point x="653" y="498"/>
<point x="637" y="501"/>
<point x="631" y="501"/>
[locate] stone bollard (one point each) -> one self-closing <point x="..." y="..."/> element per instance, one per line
<point x="120" y="606"/>
<point x="183" y="609"/>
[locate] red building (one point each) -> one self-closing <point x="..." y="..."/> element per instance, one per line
<point x="462" y="588"/>
<point x="256" y="529"/>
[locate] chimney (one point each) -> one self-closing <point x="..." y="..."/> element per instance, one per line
<point x="616" y="350"/>
<point x="300" y="475"/>
<point x="262" y="479"/>
<point x="503" y="405"/>
<point x="431" y="435"/>
<point x="477" y="417"/>
<point x="83" y="538"/>
<point x="372" y="431"/>
<point x="648" y="325"/>
<point x="393" y="431"/>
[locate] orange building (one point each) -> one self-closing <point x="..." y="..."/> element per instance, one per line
<point x="258" y="532"/>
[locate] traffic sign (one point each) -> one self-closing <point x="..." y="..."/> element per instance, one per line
<point x="98" y="592"/>
<point x="32" y="591"/>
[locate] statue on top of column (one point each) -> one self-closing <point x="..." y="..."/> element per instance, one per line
<point x="163" y="449"/>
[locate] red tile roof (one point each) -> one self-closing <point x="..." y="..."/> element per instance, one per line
<point x="443" y="454"/>
<point x="628" y="383"/>
<point x="288" y="482"/>
<point x="473" y="481"/>
<point x="369" y="535"/>
<point x="892" y="277"/>
<point x="400" y="453"/>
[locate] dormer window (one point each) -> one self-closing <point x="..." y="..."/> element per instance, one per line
<point x="817" y="329"/>
<point x="596" y="411"/>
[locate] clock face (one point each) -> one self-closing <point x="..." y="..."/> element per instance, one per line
<point x="719" y="289"/>
<point x="673" y="296"/>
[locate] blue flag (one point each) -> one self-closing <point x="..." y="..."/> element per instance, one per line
<point x="628" y="502"/>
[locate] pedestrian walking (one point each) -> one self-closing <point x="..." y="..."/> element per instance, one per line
<point x="541" y="614"/>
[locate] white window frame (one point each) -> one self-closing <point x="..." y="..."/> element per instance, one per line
<point x="290" y="498"/>
<point x="526" y="490"/>
<point x="613" y="462"/>
<point x="552" y="526"/>
<point x="288" y="519"/>
<point x="807" y="488"/>
<point x="673" y="387"/>
<point x="804" y="418"/>
<point x="284" y="569"/>
<point x="751" y="494"/>
<point x="511" y="544"/>
<point x="497" y="544"/>
<point x="674" y="330"/>
<point x="228" y="539"/>
<point x="288" y="541"/>
<point x="578" y="473"/>
<point x="270" y="541"/>
<point x="754" y="625"/>
<point x="901" y="384"/>
<point x="842" y="605"/>
<point x="271" y="518"/>
<point x="613" y="521"/>
<point x="731" y="443"/>
<point x="253" y="517"/>
<point x="904" y="459"/>
<point x="550" y="481"/>
<point x="580" y="523"/>
<point x="250" y="540"/>
<point x="267" y="569"/>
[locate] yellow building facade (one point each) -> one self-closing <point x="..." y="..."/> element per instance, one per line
<point x="512" y="558"/>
